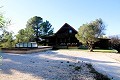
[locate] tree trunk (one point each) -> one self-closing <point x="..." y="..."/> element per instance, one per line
<point x="91" y="47"/>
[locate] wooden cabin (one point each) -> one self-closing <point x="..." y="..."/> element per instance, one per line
<point x="63" y="38"/>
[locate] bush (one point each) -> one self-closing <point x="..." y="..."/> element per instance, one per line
<point x="115" y="43"/>
<point x="7" y="45"/>
<point x="7" y="40"/>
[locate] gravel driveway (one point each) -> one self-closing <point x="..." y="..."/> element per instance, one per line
<point x="57" y="65"/>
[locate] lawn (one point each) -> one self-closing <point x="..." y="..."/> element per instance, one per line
<point x="105" y="50"/>
<point x="95" y="50"/>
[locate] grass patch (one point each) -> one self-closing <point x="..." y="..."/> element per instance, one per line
<point x="74" y="48"/>
<point x="105" y="50"/>
<point x="98" y="76"/>
<point x="94" y="50"/>
<point x="100" y="50"/>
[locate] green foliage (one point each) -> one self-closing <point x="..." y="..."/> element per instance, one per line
<point x="46" y="28"/>
<point x="88" y="33"/>
<point x="7" y="40"/>
<point x="40" y="27"/>
<point x="20" y="36"/>
<point x="29" y="34"/>
<point x="35" y="22"/>
<point x="25" y="35"/>
<point x="2" y="21"/>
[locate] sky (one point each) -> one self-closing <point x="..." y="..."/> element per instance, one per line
<point x="57" y="12"/>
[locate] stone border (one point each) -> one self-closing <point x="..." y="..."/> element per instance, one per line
<point x="25" y="50"/>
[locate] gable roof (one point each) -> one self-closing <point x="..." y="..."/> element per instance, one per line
<point x="65" y="29"/>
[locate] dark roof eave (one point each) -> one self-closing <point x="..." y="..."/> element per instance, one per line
<point x="63" y="26"/>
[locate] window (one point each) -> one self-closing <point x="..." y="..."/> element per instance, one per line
<point x="70" y="31"/>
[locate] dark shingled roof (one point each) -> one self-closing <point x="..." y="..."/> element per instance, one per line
<point x="65" y="28"/>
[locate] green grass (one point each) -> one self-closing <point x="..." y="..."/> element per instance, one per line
<point x="95" y="50"/>
<point x="101" y="50"/>
<point x="105" y="50"/>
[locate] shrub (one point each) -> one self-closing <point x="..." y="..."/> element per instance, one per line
<point x="115" y="43"/>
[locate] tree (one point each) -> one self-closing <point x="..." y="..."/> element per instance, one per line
<point x="29" y="34"/>
<point x="25" y="35"/>
<point x="5" y="36"/>
<point x="35" y="22"/>
<point x="89" y="33"/>
<point x="7" y="40"/>
<point x="20" y="36"/>
<point x="115" y="43"/>
<point x="3" y="22"/>
<point x="46" y="29"/>
<point x="40" y="27"/>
